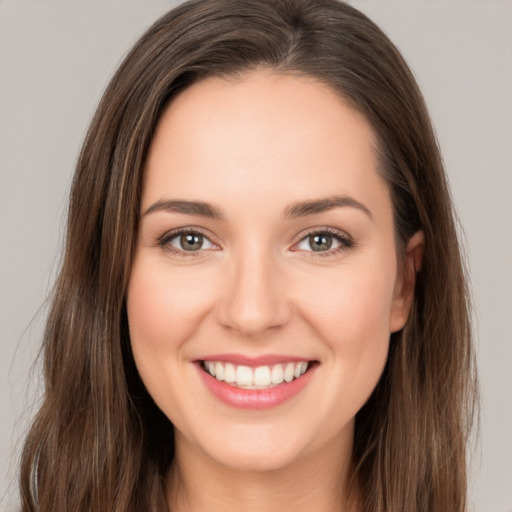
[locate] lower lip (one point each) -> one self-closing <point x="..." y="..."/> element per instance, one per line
<point x="255" y="398"/>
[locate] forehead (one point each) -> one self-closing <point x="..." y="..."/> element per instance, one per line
<point x="260" y="137"/>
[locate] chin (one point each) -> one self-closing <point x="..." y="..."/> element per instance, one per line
<point x="250" y="459"/>
<point x="270" y="446"/>
<point x="249" y="447"/>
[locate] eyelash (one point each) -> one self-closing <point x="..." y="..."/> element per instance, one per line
<point x="344" y="240"/>
<point x="165" y="239"/>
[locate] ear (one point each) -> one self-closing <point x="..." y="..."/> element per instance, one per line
<point x="405" y="282"/>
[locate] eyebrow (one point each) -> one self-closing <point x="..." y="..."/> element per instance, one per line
<point x="294" y="210"/>
<point x="187" y="207"/>
<point x="314" y="206"/>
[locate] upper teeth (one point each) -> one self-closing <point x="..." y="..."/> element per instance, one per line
<point x="260" y="377"/>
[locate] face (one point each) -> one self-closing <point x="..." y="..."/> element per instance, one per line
<point x="266" y="257"/>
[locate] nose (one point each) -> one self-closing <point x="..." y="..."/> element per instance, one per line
<point x="254" y="299"/>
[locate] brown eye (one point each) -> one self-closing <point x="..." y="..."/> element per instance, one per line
<point x="186" y="242"/>
<point x="320" y="242"/>
<point x="325" y="243"/>
<point x="191" y="241"/>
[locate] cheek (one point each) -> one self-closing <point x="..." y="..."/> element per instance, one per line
<point x="163" y="307"/>
<point x="352" y="319"/>
<point x="165" y="310"/>
<point x="351" y="300"/>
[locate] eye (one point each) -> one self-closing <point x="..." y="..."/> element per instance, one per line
<point x="186" y="241"/>
<point x="325" y="242"/>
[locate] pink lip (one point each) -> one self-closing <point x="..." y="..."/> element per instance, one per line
<point x="253" y="362"/>
<point x="255" y="398"/>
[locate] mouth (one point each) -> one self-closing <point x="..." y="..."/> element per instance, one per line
<point x="254" y="385"/>
<point x="260" y="377"/>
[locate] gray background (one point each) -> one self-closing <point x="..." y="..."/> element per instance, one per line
<point x="55" y="60"/>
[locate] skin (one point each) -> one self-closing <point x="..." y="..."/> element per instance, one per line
<point x="252" y="146"/>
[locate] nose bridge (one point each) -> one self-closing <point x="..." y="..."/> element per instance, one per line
<point x="255" y="298"/>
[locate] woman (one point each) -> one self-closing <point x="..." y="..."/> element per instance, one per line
<point x="262" y="302"/>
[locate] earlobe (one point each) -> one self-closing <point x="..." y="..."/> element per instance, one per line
<point x="406" y="280"/>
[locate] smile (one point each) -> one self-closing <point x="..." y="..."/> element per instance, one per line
<point x="251" y="384"/>
<point x="261" y="377"/>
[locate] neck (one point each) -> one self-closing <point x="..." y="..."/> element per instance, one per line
<point x="196" y="483"/>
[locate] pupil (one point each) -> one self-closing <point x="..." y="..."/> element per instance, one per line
<point x="191" y="242"/>
<point x="320" y="242"/>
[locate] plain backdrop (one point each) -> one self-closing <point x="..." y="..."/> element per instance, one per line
<point x="55" y="60"/>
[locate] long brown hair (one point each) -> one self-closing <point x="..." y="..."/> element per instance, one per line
<point x="96" y="443"/>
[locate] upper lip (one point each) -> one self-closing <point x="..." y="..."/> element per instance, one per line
<point x="254" y="361"/>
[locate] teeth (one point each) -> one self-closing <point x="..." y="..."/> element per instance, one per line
<point x="289" y="371"/>
<point x="229" y="372"/>
<point x="219" y="371"/>
<point x="277" y="374"/>
<point x="262" y="377"/>
<point x="244" y="376"/>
